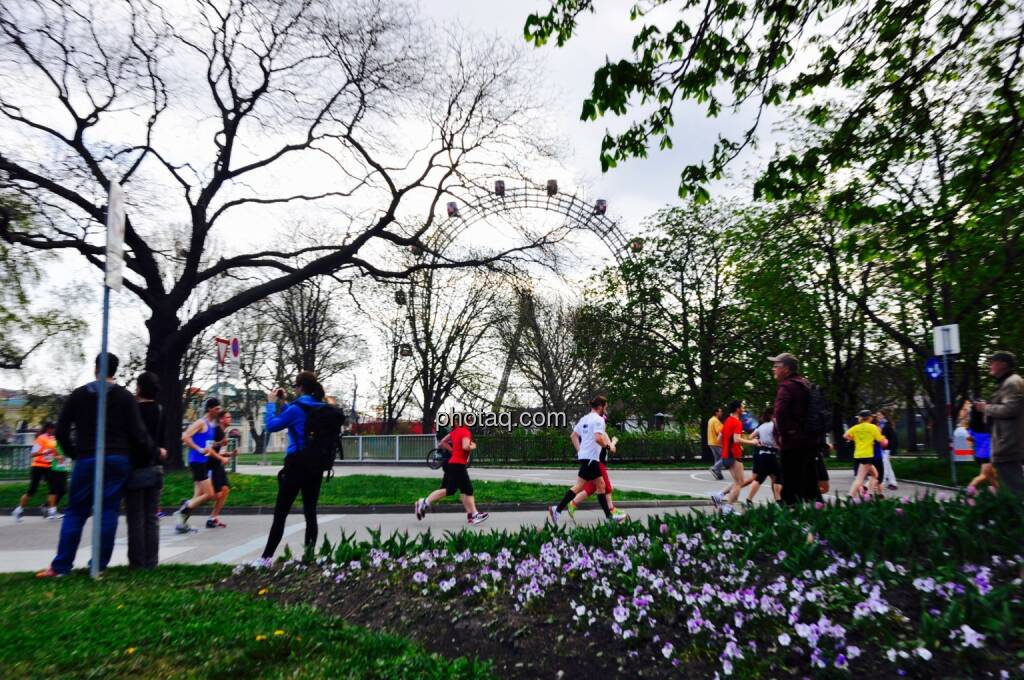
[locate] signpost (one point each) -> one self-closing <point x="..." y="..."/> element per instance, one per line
<point x="946" y="340"/>
<point x="114" y="266"/>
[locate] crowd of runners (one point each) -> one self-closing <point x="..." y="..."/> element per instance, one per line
<point x="789" y="449"/>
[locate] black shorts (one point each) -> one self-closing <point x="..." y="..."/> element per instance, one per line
<point x="200" y="471"/>
<point x="36" y="475"/>
<point x="589" y="470"/>
<point x="58" y="481"/>
<point x="819" y="467"/>
<point x="218" y="475"/>
<point x="456" y="478"/>
<point x="766" y="464"/>
<point x="876" y="461"/>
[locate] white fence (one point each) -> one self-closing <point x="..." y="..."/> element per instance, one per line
<point x="390" y="448"/>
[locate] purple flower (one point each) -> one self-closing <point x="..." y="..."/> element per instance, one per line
<point x="419" y="577"/>
<point x="666" y="651"/>
<point x="620" y="614"/>
<point x="663" y="528"/>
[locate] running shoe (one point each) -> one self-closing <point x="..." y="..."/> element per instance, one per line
<point x="892" y="487"/>
<point x="49" y="573"/>
<point x="727" y="510"/>
<point x="617" y="519"/>
<point x="214" y="524"/>
<point x="749" y="503"/>
<point x="572" y="512"/>
<point x="17" y="513"/>
<point x="553" y="514"/>
<point x="420" y="508"/>
<point x="716" y="498"/>
<point x="716" y="473"/>
<point x="620" y="514"/>
<point x="479" y="518"/>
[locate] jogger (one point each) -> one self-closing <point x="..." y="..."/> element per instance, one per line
<point x="198" y="438"/>
<point x="588" y="438"/>
<point x="44" y="453"/>
<point x="456" y="475"/>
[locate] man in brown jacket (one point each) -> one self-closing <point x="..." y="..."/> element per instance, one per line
<point x="797" y="447"/>
<point x="1005" y="415"/>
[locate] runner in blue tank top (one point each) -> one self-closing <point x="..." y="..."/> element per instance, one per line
<point x="198" y="438"/>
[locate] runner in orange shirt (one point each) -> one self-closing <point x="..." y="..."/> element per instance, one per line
<point x="44" y="451"/>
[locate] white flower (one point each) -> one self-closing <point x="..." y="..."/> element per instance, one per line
<point x="581" y="610"/>
<point x="891" y="654"/>
<point x="923" y="653"/>
<point x="784" y="639"/>
<point x="852" y="652"/>
<point x="666" y="651"/>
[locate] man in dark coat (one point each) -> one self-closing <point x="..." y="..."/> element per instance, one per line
<point x="797" y="447"/>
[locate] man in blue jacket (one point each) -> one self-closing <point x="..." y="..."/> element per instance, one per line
<point x="296" y="476"/>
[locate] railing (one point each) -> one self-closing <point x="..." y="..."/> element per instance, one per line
<point x="15" y="460"/>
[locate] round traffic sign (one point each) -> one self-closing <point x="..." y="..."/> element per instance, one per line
<point x="933" y="367"/>
<point x="236" y="348"/>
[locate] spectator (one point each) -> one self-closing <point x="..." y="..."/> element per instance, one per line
<point x="1004" y="413"/>
<point x="142" y="498"/>
<point x="797" y="447"/>
<point x="76" y="435"/>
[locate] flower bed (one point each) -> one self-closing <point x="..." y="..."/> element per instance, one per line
<point x="926" y="588"/>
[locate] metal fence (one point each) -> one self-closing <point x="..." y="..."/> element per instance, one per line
<point x="15" y="460"/>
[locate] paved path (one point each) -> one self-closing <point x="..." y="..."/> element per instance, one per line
<point x="30" y="544"/>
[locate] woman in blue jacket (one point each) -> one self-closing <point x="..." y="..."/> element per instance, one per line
<point x="295" y="477"/>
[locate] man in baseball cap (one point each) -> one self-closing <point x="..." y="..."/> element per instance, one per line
<point x="796" y="444"/>
<point x="1005" y="415"/>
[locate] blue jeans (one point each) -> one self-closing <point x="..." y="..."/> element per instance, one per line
<point x="116" y="471"/>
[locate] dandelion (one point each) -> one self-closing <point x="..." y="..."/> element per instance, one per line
<point x="130" y="650"/>
<point x="263" y="591"/>
<point x="261" y="638"/>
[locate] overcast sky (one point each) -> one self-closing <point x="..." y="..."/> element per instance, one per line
<point x="634" y="190"/>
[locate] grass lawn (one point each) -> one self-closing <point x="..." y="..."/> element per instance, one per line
<point x="173" y="623"/>
<point x="934" y="470"/>
<point x="252" y="490"/>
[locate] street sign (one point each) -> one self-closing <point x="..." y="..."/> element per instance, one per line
<point x="933" y="368"/>
<point x="235" y="359"/>
<point x="946" y="339"/>
<point x="222" y="350"/>
<point x="115" y="237"/>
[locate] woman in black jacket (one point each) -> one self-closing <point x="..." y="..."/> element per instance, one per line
<point x="142" y="496"/>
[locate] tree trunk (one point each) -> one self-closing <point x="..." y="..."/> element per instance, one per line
<point x="164" y="357"/>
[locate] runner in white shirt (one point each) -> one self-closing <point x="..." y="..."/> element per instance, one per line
<point x="588" y="438"/>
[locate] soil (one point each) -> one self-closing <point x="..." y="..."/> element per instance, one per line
<point x="541" y="640"/>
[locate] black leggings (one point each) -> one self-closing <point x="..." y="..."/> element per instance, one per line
<point x="292" y="479"/>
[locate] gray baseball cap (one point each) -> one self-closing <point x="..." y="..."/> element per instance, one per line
<point x="787" y="359"/>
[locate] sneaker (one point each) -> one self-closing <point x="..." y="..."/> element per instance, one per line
<point x="716" y="498"/>
<point x="572" y="512"/>
<point x="215" y="524"/>
<point x="17" y="513"/>
<point x="716" y="473"/>
<point x="49" y="573"/>
<point x="892" y="487"/>
<point x="182" y="528"/>
<point x="553" y="514"/>
<point x="617" y="519"/>
<point x="620" y="514"/>
<point x="749" y="503"/>
<point x="479" y="518"/>
<point x="51" y="513"/>
<point x="727" y="510"/>
<point x="420" y="508"/>
<point x="262" y="563"/>
<point x="184" y="510"/>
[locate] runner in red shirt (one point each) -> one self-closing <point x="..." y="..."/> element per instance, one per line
<point x="456" y="476"/>
<point x="732" y="456"/>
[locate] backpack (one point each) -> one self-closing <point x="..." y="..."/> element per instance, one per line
<point x="322" y="436"/>
<point x="819" y="412"/>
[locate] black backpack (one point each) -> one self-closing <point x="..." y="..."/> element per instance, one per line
<point x="322" y="436"/>
<point x="819" y="412"/>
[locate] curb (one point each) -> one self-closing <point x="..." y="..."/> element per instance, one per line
<point x="407" y="508"/>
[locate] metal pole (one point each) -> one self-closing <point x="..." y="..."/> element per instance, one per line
<point x="949" y="418"/>
<point x="101" y="440"/>
<point x="396" y="449"/>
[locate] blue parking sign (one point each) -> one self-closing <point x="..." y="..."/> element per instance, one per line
<point x="933" y="367"/>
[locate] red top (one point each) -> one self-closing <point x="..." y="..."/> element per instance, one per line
<point x="730" y="448"/>
<point x="459" y="457"/>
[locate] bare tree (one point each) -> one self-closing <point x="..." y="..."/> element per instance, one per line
<point x="394" y="388"/>
<point x="451" y="317"/>
<point x="221" y="113"/>
<point x="306" y="322"/>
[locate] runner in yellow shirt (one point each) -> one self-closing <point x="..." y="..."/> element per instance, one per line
<point x="864" y="435"/>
